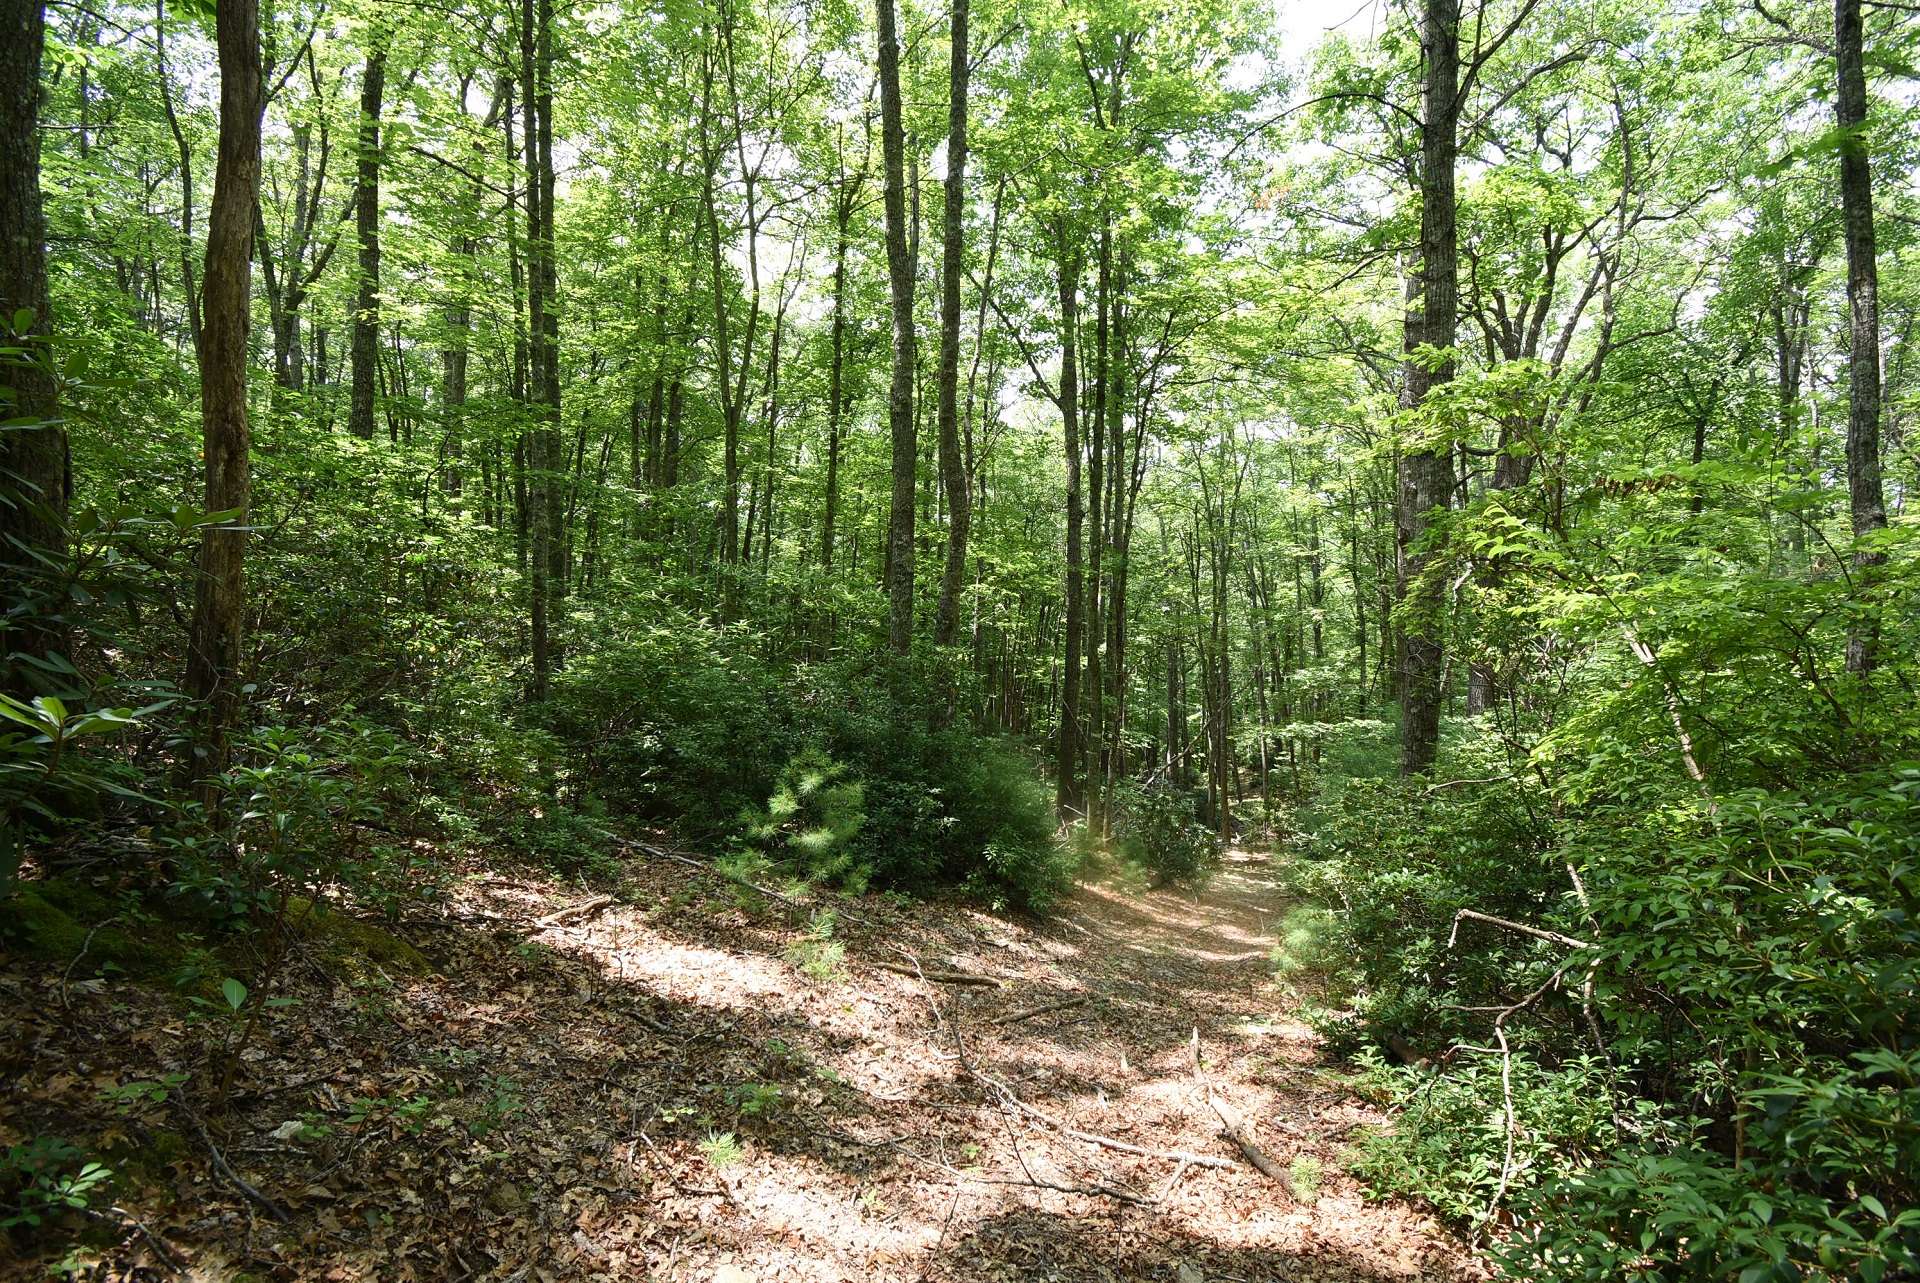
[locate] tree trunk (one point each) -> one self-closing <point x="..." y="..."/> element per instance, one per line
<point x="836" y="372"/>
<point x="33" y="459"/>
<point x="1067" y="756"/>
<point x="1426" y="473"/>
<point x="219" y="600"/>
<point x="366" y="201"/>
<point x="900" y="422"/>
<point x="543" y="446"/>
<point x="953" y="475"/>
<point x="1867" y="502"/>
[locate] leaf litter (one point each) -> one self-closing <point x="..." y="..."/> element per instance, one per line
<point x="674" y="1085"/>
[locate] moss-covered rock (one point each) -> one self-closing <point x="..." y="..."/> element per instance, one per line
<point x="59" y="920"/>
<point x="64" y="922"/>
<point x="352" y="942"/>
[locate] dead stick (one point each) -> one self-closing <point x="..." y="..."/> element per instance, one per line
<point x="1235" y="1129"/>
<point x="1511" y="925"/>
<point x="940" y="977"/>
<point x="1047" y="1009"/>
<point x="220" y="1165"/>
<point x="1237" y="1133"/>
<point x="1095" y="1138"/>
<point x="581" y="910"/>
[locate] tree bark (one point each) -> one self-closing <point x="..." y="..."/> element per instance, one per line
<point x="836" y="372"/>
<point x="366" y="311"/>
<point x="1866" y="500"/>
<point x="953" y="474"/>
<point x="1426" y="474"/>
<point x="1067" y="757"/>
<point x="900" y="291"/>
<point x="219" y="602"/>
<point x="33" y="460"/>
<point x="543" y="446"/>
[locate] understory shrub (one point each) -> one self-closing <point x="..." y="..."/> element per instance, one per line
<point x="690" y="725"/>
<point x="1716" y="1067"/>
<point x="1157" y="830"/>
<point x="1447" y="1142"/>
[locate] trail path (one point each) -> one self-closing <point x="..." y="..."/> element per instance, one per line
<point x="914" y="1166"/>
<point x="661" y="1089"/>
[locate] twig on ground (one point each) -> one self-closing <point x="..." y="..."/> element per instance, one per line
<point x="1234" y="1127"/>
<point x="586" y="908"/>
<point x="128" y="1220"/>
<point x="1181" y="1156"/>
<point x="940" y="977"/>
<point x="234" y="1178"/>
<point x="1044" y="1010"/>
<point x="85" y="945"/>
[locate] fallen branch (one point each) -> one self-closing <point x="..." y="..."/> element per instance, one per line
<point x="1237" y="1133"/>
<point x="1181" y="1156"/>
<point x="1046" y="1010"/>
<point x="234" y="1178"/>
<point x="126" y="1220"/>
<point x="1523" y="928"/>
<point x="584" y="909"/>
<point x="1235" y="1129"/>
<point x="939" y="977"/>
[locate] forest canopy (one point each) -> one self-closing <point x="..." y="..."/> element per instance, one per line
<point x="901" y="450"/>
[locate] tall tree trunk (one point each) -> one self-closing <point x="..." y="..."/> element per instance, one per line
<point x="33" y="459"/>
<point x="900" y="292"/>
<point x="1067" y="757"/>
<point x="836" y="371"/>
<point x="1426" y="474"/>
<point x="219" y="599"/>
<point x="543" y="446"/>
<point x="366" y="311"/>
<point x="1867" y="502"/>
<point x="953" y="475"/>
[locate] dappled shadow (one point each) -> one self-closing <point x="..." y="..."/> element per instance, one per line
<point x="670" y="1083"/>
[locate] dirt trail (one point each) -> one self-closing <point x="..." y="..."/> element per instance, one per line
<point x="665" y="1089"/>
<point x="914" y="1166"/>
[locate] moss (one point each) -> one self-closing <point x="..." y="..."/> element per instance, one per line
<point x="349" y="941"/>
<point x="52" y="921"/>
<point x="148" y="1162"/>
<point x="60" y="920"/>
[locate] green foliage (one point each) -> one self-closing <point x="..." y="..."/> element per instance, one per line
<point x="1306" y="1173"/>
<point x="1447" y="1138"/>
<point x="722" y="1150"/>
<point x="43" y="1178"/>
<point x="838" y="772"/>
<point x="817" y="953"/>
<point x="809" y="824"/>
<point x="1398" y="863"/>
<point x="1157" y="830"/>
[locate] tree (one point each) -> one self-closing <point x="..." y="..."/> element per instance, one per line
<point x="900" y="421"/>
<point x="1425" y="469"/>
<point x="220" y="593"/>
<point x="1866" y="501"/>
<point x="366" y="220"/>
<point x="957" y="485"/>
<point x="35" y="475"/>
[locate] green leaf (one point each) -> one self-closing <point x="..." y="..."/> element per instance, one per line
<point x="236" y="993"/>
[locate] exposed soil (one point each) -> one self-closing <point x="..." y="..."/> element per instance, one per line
<point x="660" y="1090"/>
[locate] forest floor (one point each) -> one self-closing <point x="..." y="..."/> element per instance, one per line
<point x="677" y="1086"/>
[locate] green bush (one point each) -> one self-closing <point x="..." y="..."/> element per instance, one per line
<point x="1447" y="1142"/>
<point x="1156" y="830"/>
<point x="809" y="824"/>
<point x="690" y="725"/>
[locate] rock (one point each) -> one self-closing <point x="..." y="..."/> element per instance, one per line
<point x="1189" y="1274"/>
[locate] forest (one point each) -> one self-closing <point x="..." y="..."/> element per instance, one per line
<point x="794" y="640"/>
